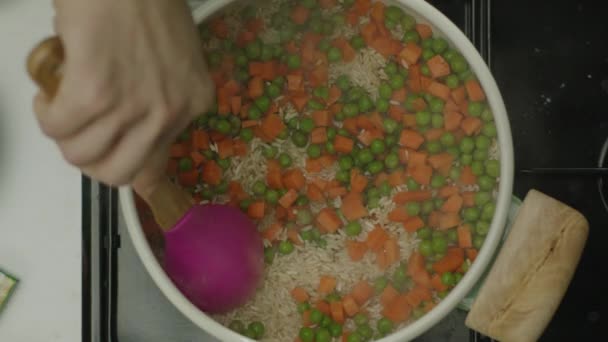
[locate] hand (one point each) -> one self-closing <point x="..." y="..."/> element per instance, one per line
<point x="134" y="78"/>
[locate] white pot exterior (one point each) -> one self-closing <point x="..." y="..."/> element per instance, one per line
<point x="423" y="12"/>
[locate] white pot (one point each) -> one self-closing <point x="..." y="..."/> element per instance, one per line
<point x="423" y="12"/>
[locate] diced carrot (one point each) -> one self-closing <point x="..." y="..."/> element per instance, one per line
<point x="424" y="31"/>
<point x="172" y="167"/>
<point x="467" y="177"/>
<point x="472" y="254"/>
<point x="364" y="122"/>
<point x="381" y="178"/>
<point x="474" y="90"/>
<point x="216" y="136"/>
<point x="433" y="134"/>
<point x="200" y="139"/>
<point x="396" y="112"/>
<point x="382" y="259"/>
<point x="399" y="95"/>
<point x="239" y="147"/>
<point x="450" y="105"/>
<point x="212" y="173"/>
<point x="219" y="28"/>
<point x="179" y="150"/>
<point x="362" y="6"/>
<point x="411" y="139"/>
<point x="272" y="126"/>
<point x="352" y="206"/>
<point x="294" y="81"/>
<point x="336" y="191"/>
<point x="438" y="66"/>
<point x="367" y="136"/>
<point x="448" y="220"/>
<point x="447" y="191"/>
<point x="416" y="268"/>
<point x="418" y="295"/>
<point x="439" y="90"/>
<point x="452" y="205"/>
<point x="256" y="87"/>
<point x="409" y="120"/>
<point x="236" y="191"/>
<point x="416" y="158"/>
<point x="314" y="193"/>
<point x="399" y="310"/>
<point x="327" y="3"/>
<point x="452" y="260"/>
<point x="244" y="37"/>
<point x="391" y="248"/>
<point x="442" y="162"/>
<point x="411" y="53"/>
<point x="413" y="224"/>
<point x="323" y="306"/>
<point x="313" y="165"/>
<point x="321" y="118"/>
<point x="306" y="318"/>
<point x="299" y="294"/>
<point x="294" y="236"/>
<point x="337" y="311"/>
<point x="300" y="14"/>
<point x="318" y="135"/>
<point x="328" y="220"/>
<point x="358" y="181"/>
<point x="468" y="198"/>
<point x="334" y="95"/>
<point x="197" y="158"/>
<point x="421" y="174"/>
<point x="433" y="220"/>
<point x="388" y="295"/>
<point x="396" y="178"/>
<point x="412" y="196"/>
<point x="425" y="82"/>
<point x="350" y="306"/>
<point x="398" y="214"/>
<point x="356" y="249"/>
<point x="256" y="68"/>
<point x="362" y="292"/>
<point x="327" y="284"/>
<point x="471" y="125"/>
<point x="273" y="174"/>
<point x="288" y="199"/>
<point x="294" y="179"/>
<point x="375" y="238"/>
<point x="343" y="144"/>
<point x="255" y="25"/>
<point x="437" y="284"/>
<point x="385" y="46"/>
<point x="465" y="239"/>
<point x="459" y="95"/>
<point x="377" y="12"/>
<point x="348" y="52"/>
<point x="452" y="120"/>
<point x="188" y="178"/>
<point x="225" y="148"/>
<point x="256" y="210"/>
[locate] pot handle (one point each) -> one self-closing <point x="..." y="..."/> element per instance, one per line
<point x="167" y="201"/>
<point x="532" y="271"/>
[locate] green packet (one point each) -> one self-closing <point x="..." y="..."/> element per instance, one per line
<point x="7" y="286"/>
<point x="468" y="300"/>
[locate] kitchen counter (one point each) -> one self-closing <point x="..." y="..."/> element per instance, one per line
<point x="40" y="197"/>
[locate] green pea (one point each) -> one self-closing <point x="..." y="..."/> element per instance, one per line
<point x="482" y="228"/>
<point x="488" y="211"/>
<point x="436" y="106"/>
<point x="338" y="19"/>
<point x="284" y="160"/>
<point x="466" y="159"/>
<point x="294" y="61"/>
<point x="424" y="233"/>
<point x="303" y="307"/>
<point x="391" y="161"/>
<point x="375" y="167"/>
<point x="215" y="58"/>
<point x="385" y="188"/>
<point x="486" y="115"/>
<point x="482" y="197"/>
<point x="458" y="64"/>
<point x="412" y="185"/>
<point x="433" y="147"/>
<point x="438" y="181"/>
<point x="258" y="328"/>
<point x="385" y="91"/>
<point x="475" y="108"/>
<point x="343" y="82"/>
<point x="477" y="168"/>
<point x="353" y="228"/>
<point x="466" y="75"/>
<point x="326" y="321"/>
<point x="314" y="151"/>
<point x="393" y="12"/>
<point x="450" y="54"/>
<point x="427" y="54"/>
<point x="417" y="313"/>
<point x="245" y="203"/>
<point x="427" y="207"/>
<point x="424" y="69"/>
<point x="426" y="248"/>
<point x="447" y="139"/>
<point x="335" y="329"/>
<point x="279" y="81"/>
<point x="299" y="139"/>
<point x="377" y="146"/>
<point x="478" y="241"/>
<point x="471" y="214"/>
<point x="379" y="284"/>
<point x="284" y="134"/>
<point x="391" y="68"/>
<point x="413" y="208"/>
<point x="396" y="81"/>
<point x="411" y="36"/>
<point x="384" y="326"/>
<point x="237" y="326"/>
<point x="357" y="42"/>
<point x="467" y="145"/>
<point x="493" y="168"/>
<point x="285" y="247"/>
<point x="489" y="130"/>
<point x="447" y="279"/>
<point x="423" y="118"/>
<point x="310" y="4"/>
<point x="315" y="105"/>
<point x="223" y="126"/>
<point x="269" y="253"/>
<point x="306" y="235"/>
<point x="334" y="54"/>
<point x="324" y="45"/>
<point x="365" y="104"/>
<point x="480" y="155"/>
<point x="267" y="53"/>
<point x="407" y="22"/>
<point x="315" y="233"/>
<point x="427" y="43"/>
<point x="272" y="196"/>
<point x="365" y="156"/>
<point x="365" y="331"/>
<point x="322" y="92"/>
<point x="437" y="121"/>
<point x="259" y="188"/>
<point x="391" y="141"/>
<point x="486" y="183"/>
<point x="345" y="163"/>
<point x="254" y="113"/>
<point x="246" y="134"/>
<point x="354" y="337"/>
<point x="440" y="245"/>
<point x="306" y="334"/>
<point x="184" y="164"/>
<point x="382" y="105"/>
<point x="351" y="110"/>
<point x="390" y="125"/>
<point x="439" y="45"/>
<point x="343" y="176"/>
<point x="452" y="81"/>
<point x="303" y="217"/>
<point x="253" y="49"/>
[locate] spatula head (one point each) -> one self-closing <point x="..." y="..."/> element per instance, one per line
<point x="215" y="256"/>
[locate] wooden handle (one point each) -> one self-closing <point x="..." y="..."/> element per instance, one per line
<point x="532" y="271"/>
<point x="167" y="201"/>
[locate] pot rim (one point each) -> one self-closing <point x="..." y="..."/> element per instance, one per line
<point x="424" y="12"/>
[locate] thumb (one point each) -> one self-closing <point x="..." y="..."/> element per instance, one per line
<point x="152" y="173"/>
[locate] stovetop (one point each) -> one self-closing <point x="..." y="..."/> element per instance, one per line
<point x="550" y="60"/>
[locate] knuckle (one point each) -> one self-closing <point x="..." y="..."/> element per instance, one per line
<point x="96" y="96"/>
